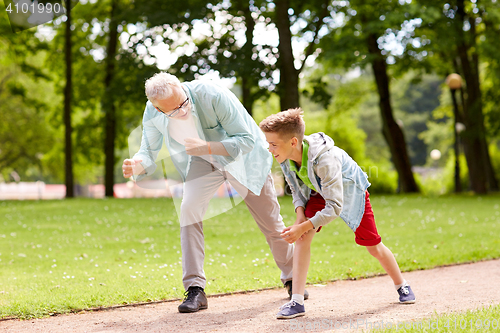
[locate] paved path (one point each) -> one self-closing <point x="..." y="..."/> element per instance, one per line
<point x="367" y="302"/>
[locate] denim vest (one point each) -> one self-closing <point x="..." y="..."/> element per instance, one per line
<point x="336" y="176"/>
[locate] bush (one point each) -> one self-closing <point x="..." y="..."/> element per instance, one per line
<point x="383" y="179"/>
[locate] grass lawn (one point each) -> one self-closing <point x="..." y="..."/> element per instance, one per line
<point x="60" y="256"/>
<point x="483" y="320"/>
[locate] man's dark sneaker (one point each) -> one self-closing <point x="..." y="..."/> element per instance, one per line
<point x="288" y="286"/>
<point x="291" y="310"/>
<point x="406" y="295"/>
<point x="195" y="300"/>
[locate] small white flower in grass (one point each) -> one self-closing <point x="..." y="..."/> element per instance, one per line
<point x="133" y="276"/>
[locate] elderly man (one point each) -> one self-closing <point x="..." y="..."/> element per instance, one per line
<point x="211" y="138"/>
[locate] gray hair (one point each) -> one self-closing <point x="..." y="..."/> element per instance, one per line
<point x="159" y="86"/>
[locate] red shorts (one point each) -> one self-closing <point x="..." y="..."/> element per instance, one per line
<point x="366" y="233"/>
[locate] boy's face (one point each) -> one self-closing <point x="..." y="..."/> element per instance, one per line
<point x="279" y="146"/>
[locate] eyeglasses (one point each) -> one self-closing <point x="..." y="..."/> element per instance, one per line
<point x="176" y="111"/>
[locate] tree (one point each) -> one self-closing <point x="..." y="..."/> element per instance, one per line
<point x="359" y="42"/>
<point x="108" y="101"/>
<point x="108" y="79"/>
<point x="68" y="90"/>
<point x="26" y="93"/>
<point x="455" y="32"/>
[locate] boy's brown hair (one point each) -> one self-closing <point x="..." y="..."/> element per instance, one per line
<point x="287" y="123"/>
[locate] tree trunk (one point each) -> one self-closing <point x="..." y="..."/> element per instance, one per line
<point x="67" y="106"/>
<point x="246" y="88"/>
<point x="246" y="80"/>
<point x="108" y="104"/>
<point x="391" y="130"/>
<point x="289" y="77"/>
<point x="473" y="138"/>
<point x="456" y="145"/>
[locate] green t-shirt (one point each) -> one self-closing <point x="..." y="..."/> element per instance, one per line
<point x="302" y="173"/>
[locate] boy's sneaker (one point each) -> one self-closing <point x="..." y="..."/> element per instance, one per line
<point x="406" y="295"/>
<point x="290" y="310"/>
<point x="288" y="286"/>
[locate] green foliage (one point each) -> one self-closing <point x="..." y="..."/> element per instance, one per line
<point x="26" y="95"/>
<point x="381" y="175"/>
<point x="441" y="180"/>
<point x="415" y="98"/>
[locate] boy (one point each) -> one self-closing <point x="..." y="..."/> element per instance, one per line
<point x="325" y="183"/>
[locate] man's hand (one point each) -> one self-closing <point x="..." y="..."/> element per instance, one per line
<point x="130" y="167"/>
<point x="196" y="147"/>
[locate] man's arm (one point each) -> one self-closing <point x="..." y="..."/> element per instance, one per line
<point x="151" y="143"/>
<point x="231" y="115"/>
<point x="198" y="147"/>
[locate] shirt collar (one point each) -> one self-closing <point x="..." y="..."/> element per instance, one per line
<point x="305" y="149"/>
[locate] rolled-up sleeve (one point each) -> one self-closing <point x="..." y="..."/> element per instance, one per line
<point x="329" y="170"/>
<point x="151" y="143"/>
<point x="230" y="113"/>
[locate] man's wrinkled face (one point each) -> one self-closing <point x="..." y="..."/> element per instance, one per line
<point x="177" y="106"/>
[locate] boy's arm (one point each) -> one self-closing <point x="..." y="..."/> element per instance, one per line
<point x="329" y="170"/>
<point x="297" y="202"/>
<point x="300" y="227"/>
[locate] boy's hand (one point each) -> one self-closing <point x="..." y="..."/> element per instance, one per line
<point x="295" y="232"/>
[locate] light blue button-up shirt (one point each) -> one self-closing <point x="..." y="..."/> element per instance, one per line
<point x="219" y="117"/>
